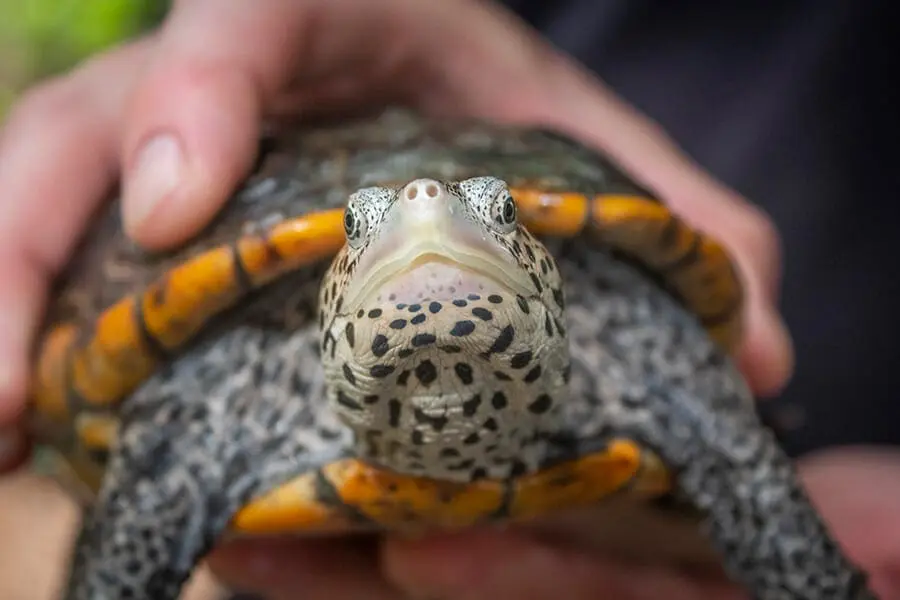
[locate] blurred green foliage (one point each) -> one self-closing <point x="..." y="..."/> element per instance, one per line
<point x="39" y="38"/>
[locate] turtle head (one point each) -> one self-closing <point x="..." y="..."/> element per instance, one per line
<point x="442" y="330"/>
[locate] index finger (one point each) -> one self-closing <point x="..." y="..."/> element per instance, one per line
<point x="57" y="160"/>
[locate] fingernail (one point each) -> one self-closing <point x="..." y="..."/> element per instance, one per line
<point x="156" y="173"/>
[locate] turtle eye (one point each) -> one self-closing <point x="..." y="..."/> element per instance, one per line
<point x="509" y="210"/>
<point x="349" y="222"/>
<point x="354" y="226"/>
<point x="505" y="212"/>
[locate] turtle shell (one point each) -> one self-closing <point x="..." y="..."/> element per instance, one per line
<point x="185" y="390"/>
<point x="119" y="314"/>
<point x="123" y="320"/>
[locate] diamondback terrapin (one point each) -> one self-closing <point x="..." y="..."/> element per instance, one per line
<point x="415" y="358"/>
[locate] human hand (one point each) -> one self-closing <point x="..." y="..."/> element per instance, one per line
<point x="198" y="89"/>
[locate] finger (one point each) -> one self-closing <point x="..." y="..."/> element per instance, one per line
<point x="194" y="119"/>
<point x="490" y="565"/>
<point x="857" y="491"/>
<point x="584" y="107"/>
<point x="57" y="159"/>
<point x="287" y="569"/>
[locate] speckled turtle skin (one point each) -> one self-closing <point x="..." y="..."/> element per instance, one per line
<point x="244" y="408"/>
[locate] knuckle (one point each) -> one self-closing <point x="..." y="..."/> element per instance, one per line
<point x="48" y="108"/>
<point x="757" y="244"/>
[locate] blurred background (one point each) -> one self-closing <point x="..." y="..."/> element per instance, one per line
<point x="39" y="38"/>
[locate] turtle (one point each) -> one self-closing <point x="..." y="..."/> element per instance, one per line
<point x="401" y="323"/>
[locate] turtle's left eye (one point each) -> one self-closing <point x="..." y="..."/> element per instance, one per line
<point x="505" y="212"/>
<point x="509" y="210"/>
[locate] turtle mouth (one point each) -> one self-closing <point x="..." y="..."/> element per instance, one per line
<point x="416" y="273"/>
<point x="416" y="235"/>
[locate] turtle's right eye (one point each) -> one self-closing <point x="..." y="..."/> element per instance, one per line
<point x="355" y="226"/>
<point x="349" y="222"/>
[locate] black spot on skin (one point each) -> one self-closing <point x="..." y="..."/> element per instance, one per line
<point x="404" y="352"/>
<point x="502" y="376"/>
<point x="472" y="439"/>
<point x="449" y="453"/>
<point x="350" y="333"/>
<point x="479" y="473"/>
<point x="544" y="267"/>
<point x="451" y="349"/>
<point x="520" y="360"/>
<point x="348" y="374"/>
<point x="498" y="400"/>
<point x="423" y="339"/>
<point x="559" y="327"/>
<point x="419" y="318"/>
<point x="462" y="465"/>
<point x="370" y="398"/>
<point x="533" y="374"/>
<point x="401" y="306"/>
<point x="537" y="282"/>
<point x="415" y="308"/>
<point x="503" y="340"/>
<point x="548" y="325"/>
<point x="381" y="371"/>
<point x="490" y="424"/>
<point x="470" y="406"/>
<point x="417" y="438"/>
<point x="464" y="372"/>
<point x="482" y="313"/>
<point x="434" y="308"/>
<point x="473" y="297"/>
<point x="541" y="404"/>
<point x="558" y="298"/>
<point x="380" y="345"/>
<point x="394" y="408"/>
<point x="495" y="299"/>
<point x="518" y="469"/>
<point x="374" y="313"/>
<point x="523" y="304"/>
<point x="360" y="313"/>
<point x="436" y="423"/>
<point x="462" y="328"/>
<point x="426" y="372"/>
<point x="398" y="324"/>
<point x="460" y="303"/>
<point x="403" y="377"/>
<point x="347" y="402"/>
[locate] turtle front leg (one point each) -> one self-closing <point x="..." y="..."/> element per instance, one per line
<point x="645" y="369"/>
<point x="200" y="440"/>
<point x="755" y="510"/>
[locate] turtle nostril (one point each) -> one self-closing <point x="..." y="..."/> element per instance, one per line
<point x="412" y="191"/>
<point x="431" y="190"/>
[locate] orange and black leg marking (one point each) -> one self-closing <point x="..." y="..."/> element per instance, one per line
<point x="349" y="495"/>
<point x="99" y="367"/>
<point x="692" y="264"/>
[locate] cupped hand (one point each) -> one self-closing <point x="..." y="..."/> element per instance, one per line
<point x="176" y="115"/>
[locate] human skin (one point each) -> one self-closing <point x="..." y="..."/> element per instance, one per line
<point x="176" y="116"/>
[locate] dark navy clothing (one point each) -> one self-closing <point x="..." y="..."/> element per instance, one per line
<point x="794" y="105"/>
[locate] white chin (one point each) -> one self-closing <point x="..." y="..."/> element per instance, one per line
<point x="434" y="281"/>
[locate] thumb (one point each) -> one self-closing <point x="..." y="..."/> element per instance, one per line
<point x="192" y="125"/>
